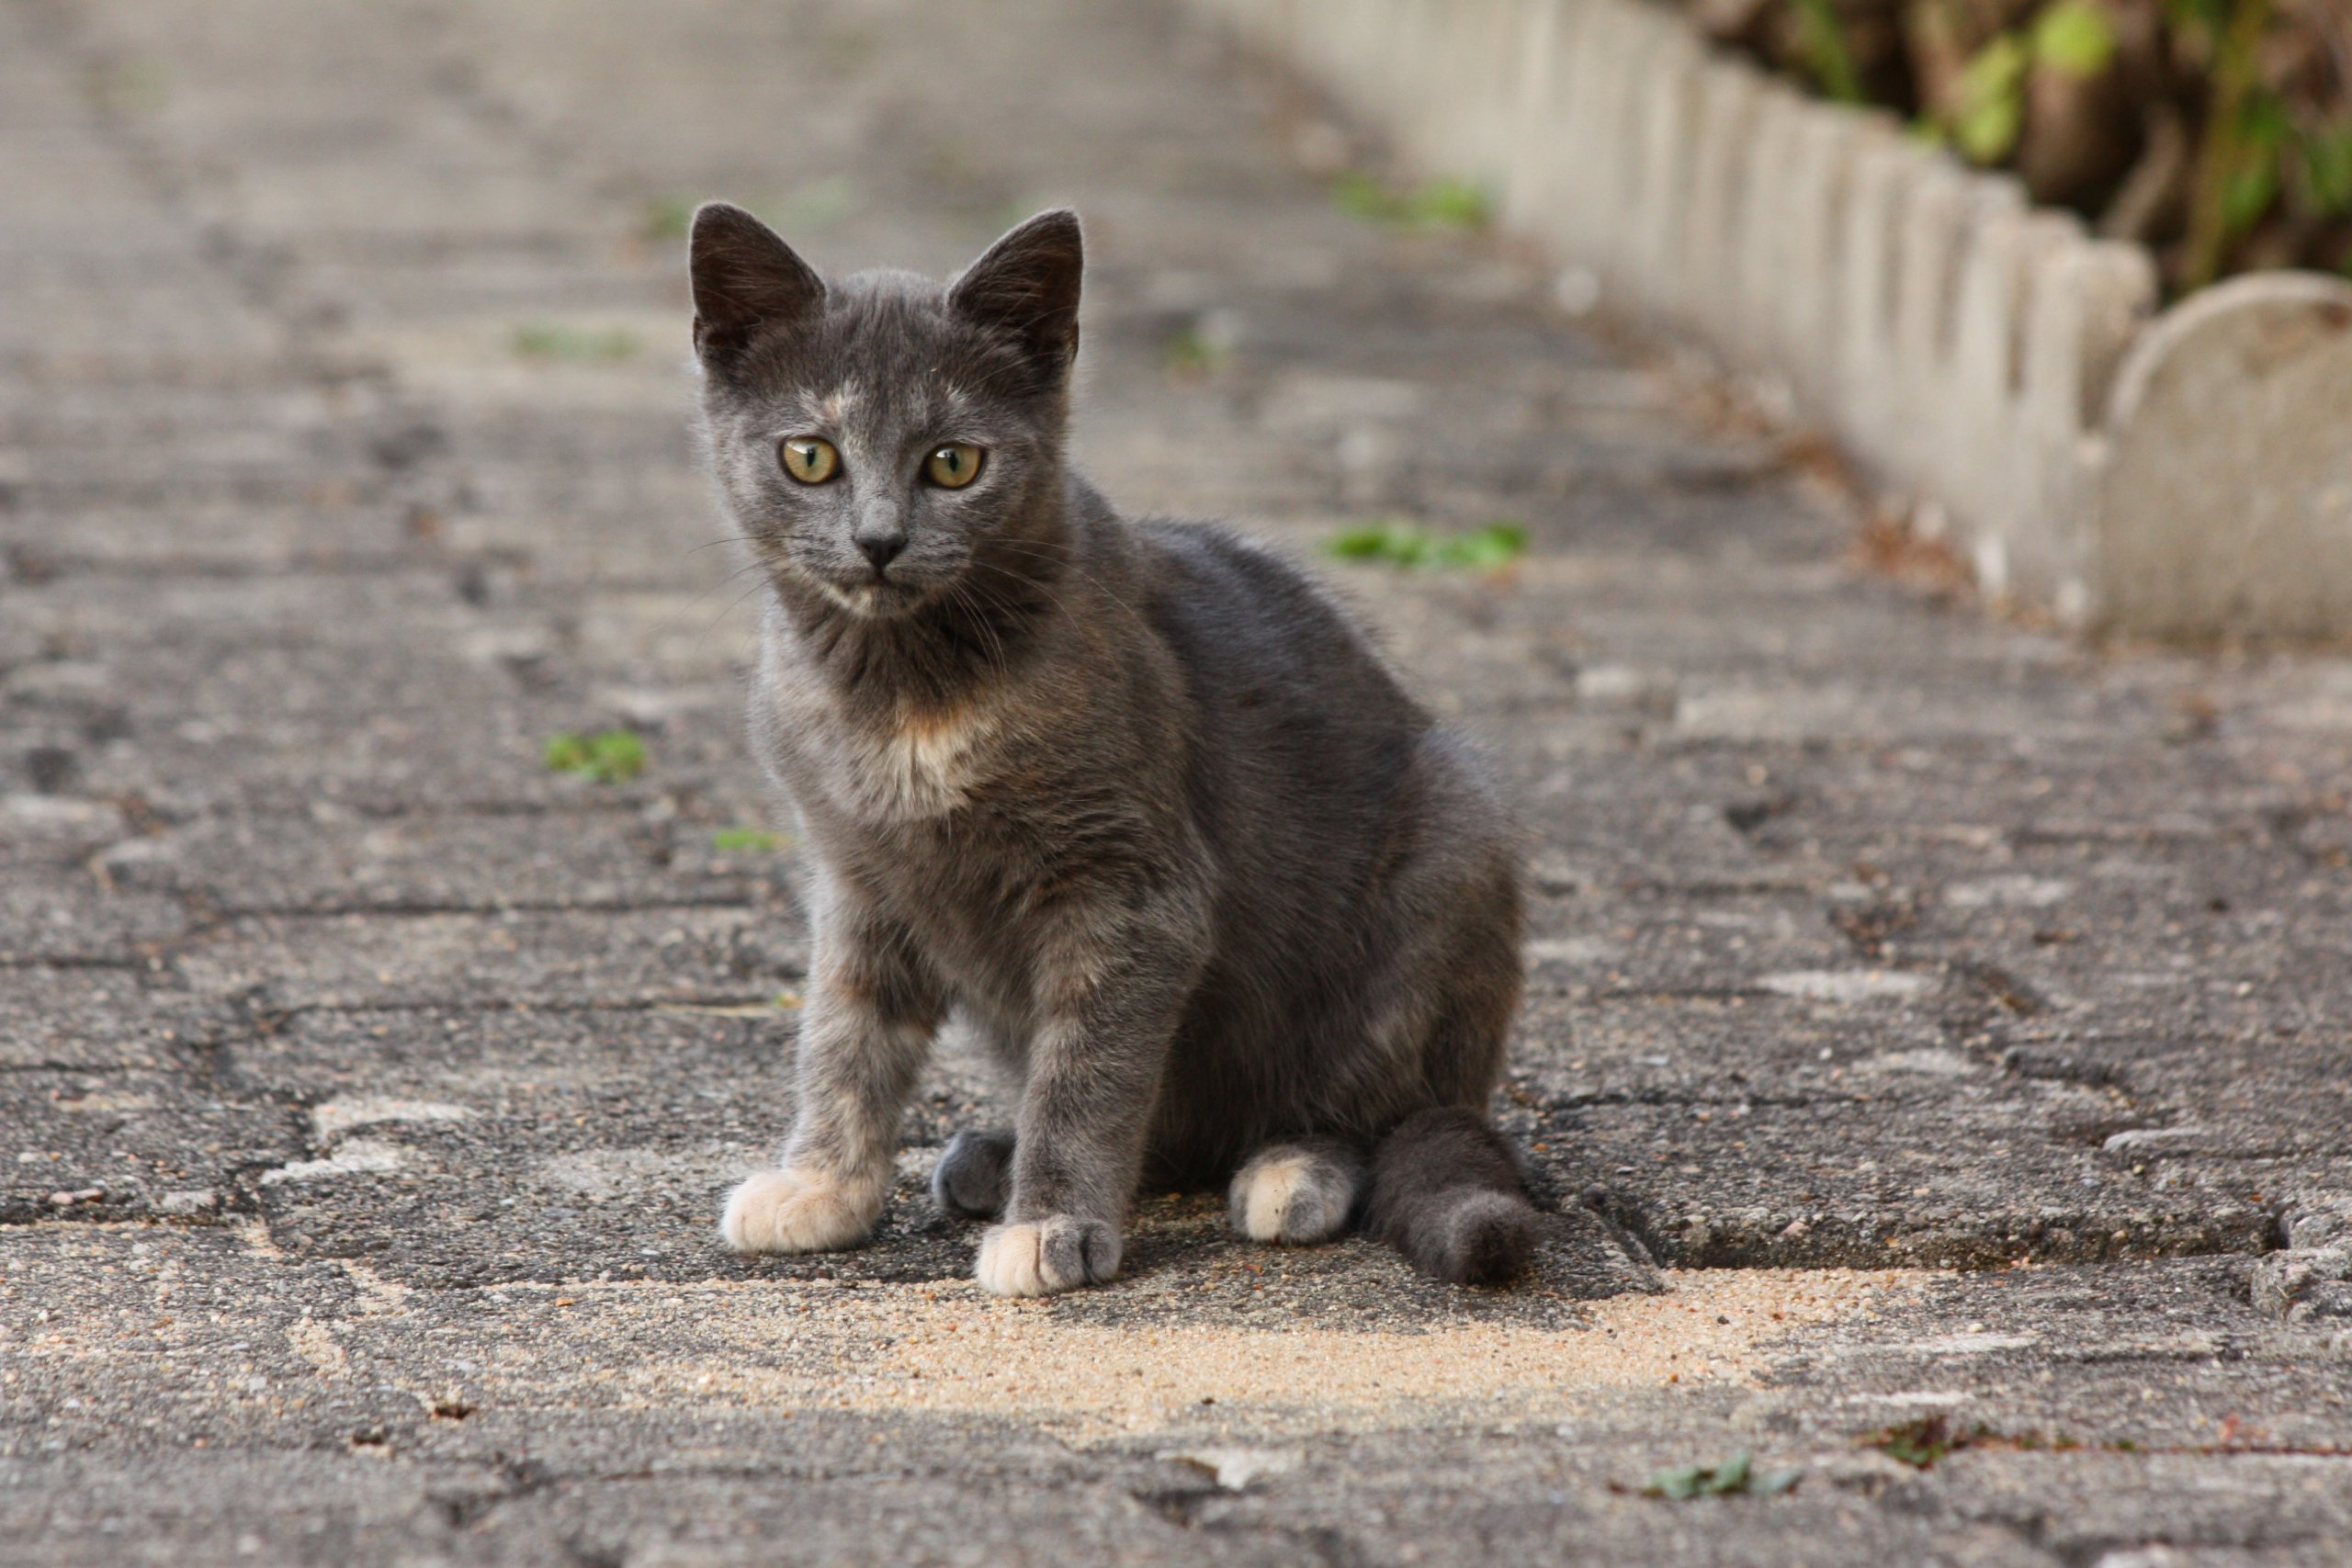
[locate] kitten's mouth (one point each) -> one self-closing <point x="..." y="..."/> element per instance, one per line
<point x="873" y="596"/>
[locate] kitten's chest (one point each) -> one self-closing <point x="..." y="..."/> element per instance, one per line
<point x="875" y="770"/>
<point x="918" y="769"/>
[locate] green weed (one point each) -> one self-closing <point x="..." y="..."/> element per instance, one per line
<point x="1401" y="543"/>
<point x="1735" y="1475"/>
<point x="1923" y="1443"/>
<point x="746" y="840"/>
<point x="1191" y="353"/>
<point x="1828" y="52"/>
<point x="1445" y="202"/>
<point x="552" y="340"/>
<point x="609" y="756"/>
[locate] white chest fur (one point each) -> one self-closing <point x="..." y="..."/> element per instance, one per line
<point x="875" y="767"/>
<point x="925" y="767"/>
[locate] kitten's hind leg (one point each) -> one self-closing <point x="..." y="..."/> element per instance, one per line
<point x="1299" y="1192"/>
<point x="973" y="1175"/>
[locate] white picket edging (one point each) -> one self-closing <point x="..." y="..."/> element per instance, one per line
<point x="1968" y="349"/>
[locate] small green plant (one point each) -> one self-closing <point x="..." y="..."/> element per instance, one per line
<point x="1401" y="543"/>
<point x="2070" y="38"/>
<point x="552" y="340"/>
<point x="2237" y="164"/>
<point x="1828" y="53"/>
<point x="1191" y="353"/>
<point x="1735" y="1475"/>
<point x="2074" y="36"/>
<point x="2322" y="184"/>
<point x="609" y="756"/>
<point x="1921" y="1443"/>
<point x="1985" y="123"/>
<point x="746" y="840"/>
<point x="1442" y="203"/>
<point x="1924" y="1443"/>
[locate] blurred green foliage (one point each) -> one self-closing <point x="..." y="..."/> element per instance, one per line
<point x="1402" y="543"/>
<point x="609" y="756"/>
<point x="1442" y="203"/>
<point x="1738" y="1474"/>
<point x="556" y="340"/>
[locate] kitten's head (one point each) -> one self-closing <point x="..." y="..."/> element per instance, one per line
<point x="881" y="436"/>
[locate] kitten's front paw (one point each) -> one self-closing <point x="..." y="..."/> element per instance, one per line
<point x="1058" y="1253"/>
<point x="797" y="1211"/>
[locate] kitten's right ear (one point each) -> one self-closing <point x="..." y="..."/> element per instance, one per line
<point x="745" y="278"/>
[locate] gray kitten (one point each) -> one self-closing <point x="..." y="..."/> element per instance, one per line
<point x="1133" y="797"/>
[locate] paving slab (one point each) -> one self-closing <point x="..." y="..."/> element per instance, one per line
<point x="91" y="1145"/>
<point x="638" y="956"/>
<point x="101" y="1016"/>
<point x="588" y="856"/>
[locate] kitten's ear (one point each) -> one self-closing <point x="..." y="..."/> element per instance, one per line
<point x="1027" y="286"/>
<point x="745" y="278"/>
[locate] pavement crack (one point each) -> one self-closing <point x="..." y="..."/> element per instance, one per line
<point x="513" y="1480"/>
<point x="2003" y="987"/>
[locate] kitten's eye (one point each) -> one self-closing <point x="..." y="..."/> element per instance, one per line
<point x="954" y="465"/>
<point x="811" y="459"/>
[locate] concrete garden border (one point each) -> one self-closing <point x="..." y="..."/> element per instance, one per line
<point x="2187" y="474"/>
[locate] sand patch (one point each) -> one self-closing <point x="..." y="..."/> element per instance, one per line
<point x="943" y="1347"/>
<point x="1714" y="1325"/>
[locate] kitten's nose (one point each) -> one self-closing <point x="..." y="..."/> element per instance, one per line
<point x="880" y="534"/>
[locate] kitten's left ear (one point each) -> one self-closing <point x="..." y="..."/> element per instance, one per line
<point x="1027" y="286"/>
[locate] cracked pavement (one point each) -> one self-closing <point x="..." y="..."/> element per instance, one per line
<point x="1929" y="1019"/>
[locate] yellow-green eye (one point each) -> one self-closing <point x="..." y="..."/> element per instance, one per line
<point x="954" y="465"/>
<point x="811" y="459"/>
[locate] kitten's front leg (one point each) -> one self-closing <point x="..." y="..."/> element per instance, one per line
<point x="864" y="1035"/>
<point x="1093" y="1076"/>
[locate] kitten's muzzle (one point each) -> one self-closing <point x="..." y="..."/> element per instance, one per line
<point x="881" y="533"/>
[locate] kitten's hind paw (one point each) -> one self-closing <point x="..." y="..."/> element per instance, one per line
<point x="970" y="1178"/>
<point x="1297" y="1194"/>
<point x="798" y="1211"/>
<point x="1058" y="1253"/>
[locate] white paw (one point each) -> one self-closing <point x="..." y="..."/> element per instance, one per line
<point x="1294" y="1199"/>
<point x="797" y="1211"/>
<point x="1058" y="1253"/>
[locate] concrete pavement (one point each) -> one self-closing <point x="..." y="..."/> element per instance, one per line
<point x="1930" y="1020"/>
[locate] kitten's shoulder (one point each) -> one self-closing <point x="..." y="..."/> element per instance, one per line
<point x="1231" y="601"/>
<point x="1216" y="554"/>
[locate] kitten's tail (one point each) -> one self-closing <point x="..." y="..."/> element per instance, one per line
<point x="1447" y="1192"/>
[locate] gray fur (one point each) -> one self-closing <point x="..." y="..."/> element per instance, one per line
<point x="974" y="1175"/>
<point x="1134" y="796"/>
<point x="1447" y="1192"/>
